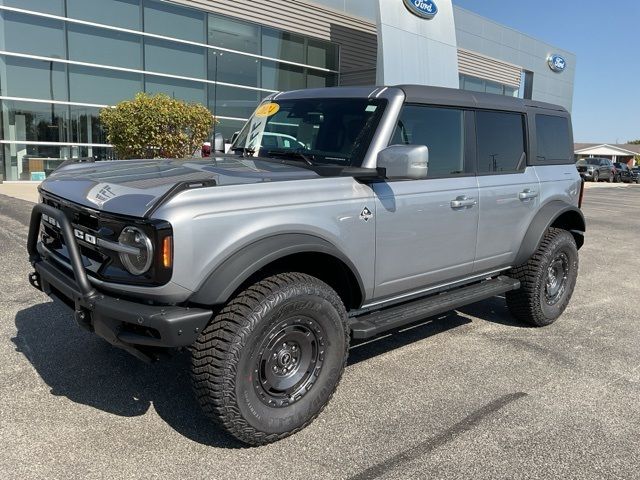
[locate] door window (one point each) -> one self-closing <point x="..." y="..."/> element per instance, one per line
<point x="501" y="147"/>
<point x="440" y="129"/>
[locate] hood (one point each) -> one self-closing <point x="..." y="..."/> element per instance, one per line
<point x="136" y="187"/>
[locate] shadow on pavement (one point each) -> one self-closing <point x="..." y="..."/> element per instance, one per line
<point x="84" y="368"/>
<point x="87" y="370"/>
<point x="493" y="310"/>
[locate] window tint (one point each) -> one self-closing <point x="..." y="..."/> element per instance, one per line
<point x="500" y="142"/>
<point x="104" y="47"/>
<point x="119" y="13"/>
<point x="553" y="139"/>
<point x="440" y="129"/>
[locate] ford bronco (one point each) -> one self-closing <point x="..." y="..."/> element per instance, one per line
<point x="338" y="214"/>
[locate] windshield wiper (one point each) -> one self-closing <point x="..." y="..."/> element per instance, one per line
<point x="295" y="154"/>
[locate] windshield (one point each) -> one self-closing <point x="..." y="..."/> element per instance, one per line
<point x="320" y="131"/>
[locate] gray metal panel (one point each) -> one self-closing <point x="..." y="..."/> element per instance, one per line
<point x="481" y="66"/>
<point x="486" y="37"/>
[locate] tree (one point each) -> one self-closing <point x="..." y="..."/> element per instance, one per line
<point x="156" y="126"/>
<point x="633" y="142"/>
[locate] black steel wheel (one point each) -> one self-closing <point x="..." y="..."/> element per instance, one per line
<point x="289" y="361"/>
<point x="547" y="280"/>
<point x="271" y="360"/>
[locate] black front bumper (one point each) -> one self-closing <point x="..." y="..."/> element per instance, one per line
<point x="133" y="326"/>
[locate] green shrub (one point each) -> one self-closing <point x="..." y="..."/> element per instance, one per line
<point x="156" y="126"/>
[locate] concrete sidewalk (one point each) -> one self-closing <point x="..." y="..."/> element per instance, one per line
<point x="23" y="191"/>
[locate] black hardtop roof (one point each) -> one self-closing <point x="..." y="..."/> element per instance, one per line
<point x="465" y="98"/>
<point x="425" y="94"/>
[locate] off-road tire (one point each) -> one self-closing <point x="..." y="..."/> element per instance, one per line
<point x="223" y="359"/>
<point x="529" y="303"/>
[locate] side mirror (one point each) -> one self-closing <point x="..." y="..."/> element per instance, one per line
<point x="404" y="162"/>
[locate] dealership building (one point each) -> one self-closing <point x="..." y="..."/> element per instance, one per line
<point x="61" y="61"/>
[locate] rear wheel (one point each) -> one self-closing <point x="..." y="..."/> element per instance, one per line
<point x="547" y="280"/>
<point x="270" y="361"/>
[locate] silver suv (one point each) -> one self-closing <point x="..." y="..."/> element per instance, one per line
<point x="378" y="208"/>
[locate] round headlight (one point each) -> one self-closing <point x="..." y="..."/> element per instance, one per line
<point x="139" y="263"/>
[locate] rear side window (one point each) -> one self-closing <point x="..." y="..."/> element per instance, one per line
<point x="440" y="129"/>
<point x="501" y="145"/>
<point x="553" y="138"/>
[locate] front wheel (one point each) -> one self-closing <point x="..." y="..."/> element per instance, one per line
<point x="596" y="176"/>
<point x="270" y="361"/>
<point x="547" y="280"/>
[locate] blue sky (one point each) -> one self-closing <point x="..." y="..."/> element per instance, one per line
<point x="605" y="36"/>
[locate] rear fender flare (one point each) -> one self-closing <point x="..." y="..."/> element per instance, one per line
<point x="544" y="219"/>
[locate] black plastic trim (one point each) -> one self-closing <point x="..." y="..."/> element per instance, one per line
<point x="235" y="270"/>
<point x="545" y="217"/>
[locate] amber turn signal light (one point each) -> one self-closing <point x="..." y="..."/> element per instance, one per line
<point x="167" y="252"/>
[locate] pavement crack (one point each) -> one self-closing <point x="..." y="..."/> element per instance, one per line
<point x="443" y="438"/>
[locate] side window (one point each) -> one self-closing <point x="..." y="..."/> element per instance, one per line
<point x="553" y="138"/>
<point x="440" y="129"/>
<point x="501" y="146"/>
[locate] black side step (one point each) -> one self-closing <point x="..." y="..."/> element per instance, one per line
<point x="372" y="324"/>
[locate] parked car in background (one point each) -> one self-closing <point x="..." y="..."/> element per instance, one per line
<point x="635" y="171"/>
<point x="596" y="169"/>
<point x="622" y="173"/>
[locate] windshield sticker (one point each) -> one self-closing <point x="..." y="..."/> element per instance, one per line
<point x="267" y="110"/>
<point x="371" y="108"/>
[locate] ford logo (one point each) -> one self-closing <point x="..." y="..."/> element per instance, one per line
<point x="422" y="8"/>
<point x="557" y="63"/>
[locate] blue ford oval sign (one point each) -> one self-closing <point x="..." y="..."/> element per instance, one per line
<point x="422" y="8"/>
<point x="557" y="63"/>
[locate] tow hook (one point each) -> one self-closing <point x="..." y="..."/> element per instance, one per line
<point x="34" y="280"/>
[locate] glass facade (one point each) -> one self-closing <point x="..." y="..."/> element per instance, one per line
<point x="475" y="84"/>
<point x="64" y="60"/>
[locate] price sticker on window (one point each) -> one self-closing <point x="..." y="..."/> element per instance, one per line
<point x="267" y="110"/>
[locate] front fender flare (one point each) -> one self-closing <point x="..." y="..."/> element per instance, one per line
<point x="225" y="279"/>
<point x="544" y="219"/>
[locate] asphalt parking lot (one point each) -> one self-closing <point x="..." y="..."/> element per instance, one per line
<point x="471" y="394"/>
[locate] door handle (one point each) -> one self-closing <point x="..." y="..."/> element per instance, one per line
<point x="527" y="194"/>
<point x="463" y="202"/>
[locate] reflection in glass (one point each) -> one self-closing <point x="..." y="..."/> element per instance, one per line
<point x="317" y="79"/>
<point x="85" y="125"/>
<point x="101" y="86"/>
<point x="279" y="76"/>
<point x="104" y="47"/>
<point x="169" y="20"/>
<point x="233" y="102"/>
<point x="34" y="122"/>
<point x="31" y="162"/>
<point x="32" y="35"/>
<point x="180" y="89"/>
<point x="56" y="7"/>
<point x="234" y="68"/>
<point x="43" y="80"/>
<point x="322" y="54"/>
<point x="117" y="13"/>
<point x="174" y="58"/>
<point x="233" y="34"/>
<point x="283" y="45"/>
